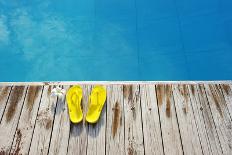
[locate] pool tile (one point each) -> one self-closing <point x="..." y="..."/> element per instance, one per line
<point x="203" y="33"/>
<point x="79" y="9"/>
<point x="74" y="38"/>
<point x="98" y="68"/>
<point x="70" y="68"/>
<point x="115" y="38"/>
<point x="211" y="65"/>
<point x="14" y="69"/>
<point x="159" y="36"/>
<point x="228" y="31"/>
<point x="115" y="10"/>
<point x="163" y="67"/>
<point x="155" y="9"/>
<point x="102" y="40"/>
<point x="79" y="40"/>
<point x="225" y="9"/>
<point x="195" y="7"/>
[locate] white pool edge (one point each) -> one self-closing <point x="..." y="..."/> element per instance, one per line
<point x="114" y="82"/>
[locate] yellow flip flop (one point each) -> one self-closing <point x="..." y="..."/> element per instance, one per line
<point x="96" y="102"/>
<point x="73" y="98"/>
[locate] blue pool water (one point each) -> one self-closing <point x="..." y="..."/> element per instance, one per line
<point x="50" y="40"/>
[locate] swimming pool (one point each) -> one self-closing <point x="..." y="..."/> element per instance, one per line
<point x="50" y="40"/>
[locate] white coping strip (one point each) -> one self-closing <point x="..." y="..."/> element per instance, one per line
<point x="113" y="82"/>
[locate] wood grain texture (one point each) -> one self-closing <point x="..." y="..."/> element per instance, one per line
<point x="44" y="123"/>
<point x="61" y="127"/>
<point x="133" y="120"/>
<point x="186" y="120"/>
<point x="150" y="119"/>
<point x="169" y="124"/>
<point x="207" y="131"/>
<point x="200" y="120"/>
<point x="4" y="94"/>
<point x="11" y="117"/>
<point x="78" y="138"/>
<point x="97" y="135"/>
<point x="145" y="118"/>
<point x="227" y="92"/>
<point x="22" y="139"/>
<point x="221" y="116"/>
<point x="115" y="120"/>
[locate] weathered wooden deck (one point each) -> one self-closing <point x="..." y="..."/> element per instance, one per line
<point x="147" y="118"/>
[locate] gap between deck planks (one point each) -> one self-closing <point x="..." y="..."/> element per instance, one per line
<point x="136" y="119"/>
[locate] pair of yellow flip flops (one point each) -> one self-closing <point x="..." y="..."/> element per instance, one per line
<point x="96" y="102"/>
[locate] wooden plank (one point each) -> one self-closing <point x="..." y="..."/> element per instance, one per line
<point x="227" y="91"/>
<point x="221" y="117"/>
<point x="204" y="121"/>
<point x="150" y="119"/>
<point x="61" y="127"/>
<point x="96" y="135"/>
<point x="115" y="120"/>
<point x="4" y="94"/>
<point x="78" y="132"/>
<point x="11" y="117"/>
<point x="199" y="119"/>
<point x="27" y="119"/>
<point x="187" y="124"/>
<point x="169" y="124"/>
<point x="44" y="123"/>
<point x="133" y="121"/>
